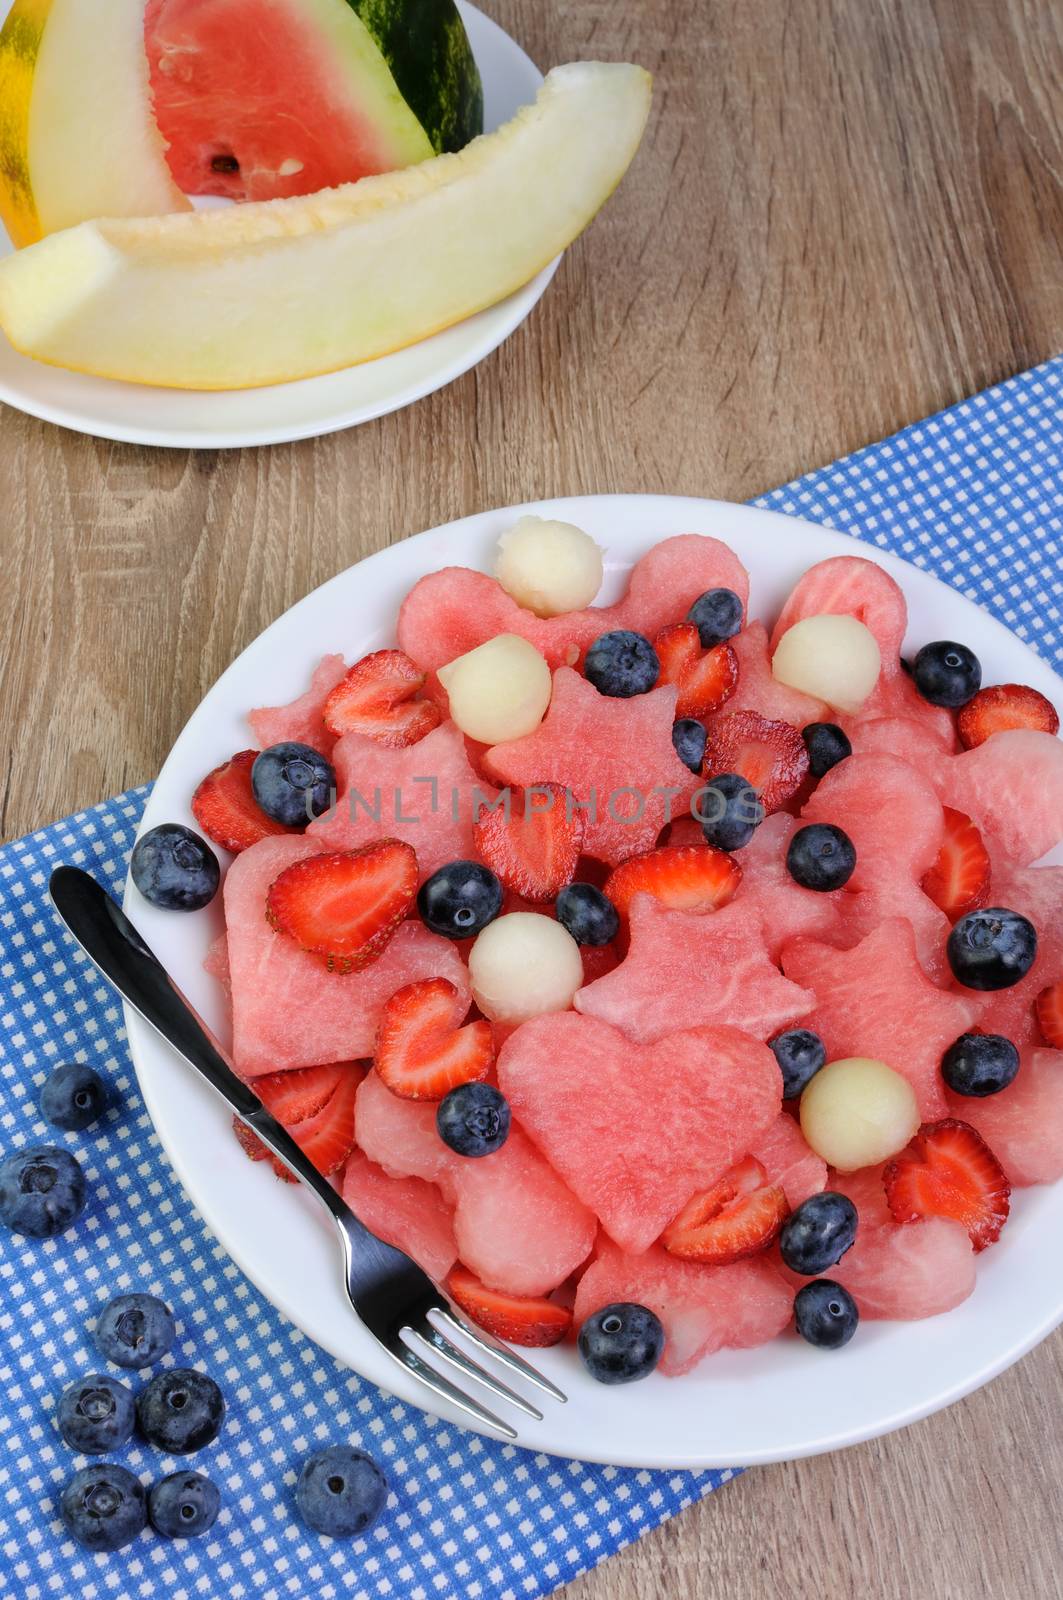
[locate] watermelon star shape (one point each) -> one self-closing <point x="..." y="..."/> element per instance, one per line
<point x="688" y="969"/>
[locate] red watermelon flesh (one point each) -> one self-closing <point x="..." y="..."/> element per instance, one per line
<point x="901" y="1271"/>
<point x="758" y="688"/>
<point x="1012" y="786"/>
<point x="891" y="814"/>
<point x="636" y="1131"/>
<point x="703" y="1309"/>
<point x="288" y="1009"/>
<point x="785" y="909"/>
<point x="875" y="1000"/>
<point x="216" y="963"/>
<point x="855" y="587"/>
<point x="898" y="697"/>
<point x="903" y="738"/>
<point x="405" y="1212"/>
<point x="1023" y="1124"/>
<point x="452" y="611"/>
<point x="614" y="754"/>
<point x="1036" y="893"/>
<point x="690" y="970"/>
<point x="301" y="721"/>
<point x="788" y="1161"/>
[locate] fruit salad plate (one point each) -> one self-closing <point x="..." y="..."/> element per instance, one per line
<point x="779" y="1401"/>
<point x="139" y="414"/>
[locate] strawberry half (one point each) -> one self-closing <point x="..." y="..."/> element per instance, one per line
<point x="533" y="851"/>
<point x="948" y="1170"/>
<point x="1049" y="1010"/>
<point x="736" y="1217"/>
<point x="958" y="881"/>
<point x="316" y="1105"/>
<point x="684" y="877"/>
<point x="1004" y="706"/>
<point x="346" y="906"/>
<point x="376" y="698"/>
<point x="536" y="1323"/>
<point x="422" y="1051"/>
<point x="771" y="756"/>
<point x="705" y="678"/>
<point x="226" y="809"/>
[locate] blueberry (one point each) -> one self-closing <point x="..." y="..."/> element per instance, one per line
<point x="688" y="740"/>
<point x="729" y="811"/>
<point x="180" y="1410"/>
<point x="991" y="949"/>
<point x="459" y="899"/>
<point x="588" y="914"/>
<point x="979" y="1064"/>
<point x="826" y="745"/>
<point x="473" y="1119"/>
<point x="718" y="614"/>
<point x="96" y="1414"/>
<point x="946" y="673"/>
<point x="73" y="1097"/>
<point x="341" y="1491"/>
<point x="184" y="1504"/>
<point x="621" y="1343"/>
<point x="42" y="1190"/>
<point x="174" y="868"/>
<point x="818" y="1233"/>
<point x="103" y="1507"/>
<point x="821" y="857"/>
<point x="825" y="1314"/>
<point x="293" y="783"/>
<point x="622" y="664"/>
<point x="135" y="1330"/>
<point x="800" y="1054"/>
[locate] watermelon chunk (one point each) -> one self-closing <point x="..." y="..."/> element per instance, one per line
<point x="1012" y="786"/>
<point x="405" y="1212"/>
<point x="636" y="1131"/>
<point x="289" y="1010"/>
<point x="216" y="963"/>
<point x="301" y="721"/>
<point x="786" y="911"/>
<point x="788" y="1161"/>
<point x="687" y="969"/>
<point x="1037" y="893"/>
<point x="758" y="688"/>
<point x="703" y="1309"/>
<point x="901" y="1271"/>
<point x="1023" y="1124"/>
<point x="920" y="745"/>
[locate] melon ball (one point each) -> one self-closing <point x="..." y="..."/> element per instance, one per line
<point x="835" y="659"/>
<point x="858" y="1112"/>
<point x="523" y="965"/>
<point x="498" y="691"/>
<point x="548" y="567"/>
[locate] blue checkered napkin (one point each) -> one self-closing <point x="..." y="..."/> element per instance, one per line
<point x="975" y="495"/>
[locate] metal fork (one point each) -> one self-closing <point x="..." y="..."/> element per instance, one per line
<point x="408" y="1314"/>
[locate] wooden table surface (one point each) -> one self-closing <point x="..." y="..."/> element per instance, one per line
<point x="845" y="216"/>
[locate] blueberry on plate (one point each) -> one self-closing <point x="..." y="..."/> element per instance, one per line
<point x="821" y="857"/>
<point x="73" y="1097"/>
<point x="180" y="1411"/>
<point x="588" y="914"/>
<point x="622" y="664"/>
<point x="979" y="1064"/>
<point x="800" y="1054"/>
<point x="947" y="673"/>
<point x="621" y="1343"/>
<point x="96" y="1414"/>
<point x="473" y="1119"/>
<point x="818" y="1233"/>
<point x="174" y="868"/>
<point x="292" y="783"/>
<point x="183" y="1505"/>
<point x="689" y="739"/>
<point x="718" y="616"/>
<point x="103" y="1507"/>
<point x="459" y="900"/>
<point x="135" y="1330"/>
<point x="992" y="949"/>
<point x="826" y="744"/>
<point x="729" y="811"/>
<point x="825" y="1314"/>
<point x="42" y="1190"/>
<point x="341" y="1491"/>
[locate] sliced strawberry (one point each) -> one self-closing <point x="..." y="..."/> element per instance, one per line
<point x="704" y="678"/>
<point x="534" y="850"/>
<point x="519" y="1321"/>
<point x="685" y="877"/>
<point x="739" y="1215"/>
<point x="226" y="809"/>
<point x="252" y="1146"/>
<point x="948" y="1170"/>
<point x="422" y="1051"/>
<point x="316" y="1105"/>
<point x="771" y="756"/>
<point x="345" y="906"/>
<point x="293" y="1097"/>
<point x="377" y="698"/>
<point x="1004" y="706"/>
<point x="958" y="881"/>
<point x="328" y="1137"/>
<point x="1049" y="1009"/>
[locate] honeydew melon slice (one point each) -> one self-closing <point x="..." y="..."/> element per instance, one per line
<point x="284" y="289"/>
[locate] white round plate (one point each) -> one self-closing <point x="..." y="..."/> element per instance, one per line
<point x="137" y="414"/>
<point x="739" y="1407"/>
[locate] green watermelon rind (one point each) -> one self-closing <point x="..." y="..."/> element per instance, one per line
<point x="427" y="52"/>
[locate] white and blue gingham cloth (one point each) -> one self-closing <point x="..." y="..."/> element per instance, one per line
<point x="974" y="495"/>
